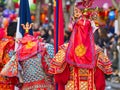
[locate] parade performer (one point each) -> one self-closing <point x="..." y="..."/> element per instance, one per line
<point x="7" y="44"/>
<point x="80" y="64"/>
<point x="81" y="78"/>
<point x="34" y="57"/>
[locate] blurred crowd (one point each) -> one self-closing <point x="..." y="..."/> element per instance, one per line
<point x="46" y="31"/>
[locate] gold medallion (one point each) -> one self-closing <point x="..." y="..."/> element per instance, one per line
<point x="30" y="44"/>
<point x="80" y="50"/>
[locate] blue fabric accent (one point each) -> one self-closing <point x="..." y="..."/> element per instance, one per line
<point x="24" y="15"/>
<point x="11" y="53"/>
<point x="57" y="11"/>
<point x="32" y="70"/>
<point x="112" y="30"/>
<point x="50" y="50"/>
<point x="57" y="8"/>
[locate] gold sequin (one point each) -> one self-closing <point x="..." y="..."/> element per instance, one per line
<point x="84" y="72"/>
<point x="83" y="85"/>
<point x="60" y="56"/>
<point x="70" y="85"/>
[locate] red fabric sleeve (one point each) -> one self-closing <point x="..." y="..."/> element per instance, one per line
<point x="99" y="79"/>
<point x="62" y="78"/>
<point x="44" y="63"/>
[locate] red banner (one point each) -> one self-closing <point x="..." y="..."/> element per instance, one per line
<point x="58" y="25"/>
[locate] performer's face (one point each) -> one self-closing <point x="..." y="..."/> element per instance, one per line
<point x="77" y="12"/>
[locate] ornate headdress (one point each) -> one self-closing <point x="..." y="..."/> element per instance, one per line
<point x="86" y="11"/>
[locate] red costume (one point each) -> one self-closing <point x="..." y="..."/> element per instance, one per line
<point x="75" y="78"/>
<point x="34" y="57"/>
<point x="80" y="51"/>
<point x="77" y="64"/>
<point x="80" y="65"/>
<point x="6" y="52"/>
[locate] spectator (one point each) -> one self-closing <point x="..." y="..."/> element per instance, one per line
<point x="44" y="34"/>
<point x="50" y="36"/>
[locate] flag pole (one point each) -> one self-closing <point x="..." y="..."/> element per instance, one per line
<point x="57" y="22"/>
<point x="56" y="13"/>
<point x="58" y="29"/>
<point x="25" y="16"/>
